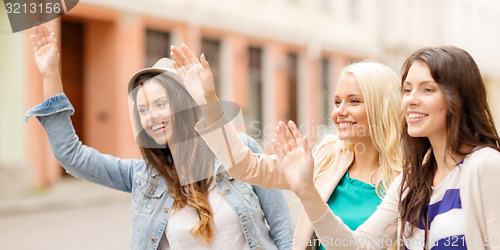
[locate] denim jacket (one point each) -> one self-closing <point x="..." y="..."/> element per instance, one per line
<point x="151" y="206"/>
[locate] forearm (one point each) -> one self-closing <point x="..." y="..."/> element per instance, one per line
<point x="212" y="111"/>
<point x="313" y="204"/>
<point x="76" y="158"/>
<point x="52" y="84"/>
<point x="237" y="158"/>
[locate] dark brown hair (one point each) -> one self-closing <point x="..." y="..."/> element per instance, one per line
<point x="468" y="122"/>
<point x="191" y="159"/>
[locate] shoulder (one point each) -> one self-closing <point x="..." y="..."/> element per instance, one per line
<point x="484" y="161"/>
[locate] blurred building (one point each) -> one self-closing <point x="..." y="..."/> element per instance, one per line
<point x="278" y="59"/>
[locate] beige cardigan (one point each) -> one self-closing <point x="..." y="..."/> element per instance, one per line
<point x="479" y="193"/>
<point x="263" y="170"/>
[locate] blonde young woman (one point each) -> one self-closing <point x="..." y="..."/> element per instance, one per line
<point x="351" y="172"/>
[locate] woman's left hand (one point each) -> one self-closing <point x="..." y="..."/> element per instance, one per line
<point x="295" y="157"/>
<point x="196" y="74"/>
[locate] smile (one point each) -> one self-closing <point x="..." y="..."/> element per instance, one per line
<point x="159" y="128"/>
<point x="416" y="117"/>
<point x="345" y="124"/>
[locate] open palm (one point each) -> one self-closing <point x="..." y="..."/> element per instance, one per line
<point x="296" y="161"/>
<point x="196" y="74"/>
<point x="45" y="50"/>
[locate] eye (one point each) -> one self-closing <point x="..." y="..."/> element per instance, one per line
<point x="161" y="105"/>
<point x="142" y="110"/>
<point x="337" y="103"/>
<point x="355" y="101"/>
<point x="428" y="90"/>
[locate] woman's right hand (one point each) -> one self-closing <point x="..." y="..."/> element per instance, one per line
<point x="45" y="50"/>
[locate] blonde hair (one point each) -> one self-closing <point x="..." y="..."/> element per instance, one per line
<point x="381" y="93"/>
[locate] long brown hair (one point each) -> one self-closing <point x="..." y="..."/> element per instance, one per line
<point x="468" y="122"/>
<point x="191" y="159"/>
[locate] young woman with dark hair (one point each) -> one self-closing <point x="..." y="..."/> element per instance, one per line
<point x="447" y="195"/>
<point x="181" y="196"/>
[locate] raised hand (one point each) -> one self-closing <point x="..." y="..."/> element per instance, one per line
<point x="45" y="50"/>
<point x="295" y="157"/>
<point x="196" y="74"/>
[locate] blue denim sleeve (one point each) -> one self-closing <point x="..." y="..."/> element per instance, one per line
<point x="79" y="160"/>
<point x="274" y="206"/>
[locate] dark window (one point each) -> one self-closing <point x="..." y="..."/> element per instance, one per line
<point x="326" y="91"/>
<point x="211" y="48"/>
<point x="157" y="46"/>
<point x="253" y="114"/>
<point x="293" y="61"/>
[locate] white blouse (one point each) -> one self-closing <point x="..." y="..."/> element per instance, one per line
<point x="227" y="231"/>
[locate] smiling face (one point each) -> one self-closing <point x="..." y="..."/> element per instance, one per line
<point x="423" y="103"/>
<point x="154" y="111"/>
<point x="349" y="114"/>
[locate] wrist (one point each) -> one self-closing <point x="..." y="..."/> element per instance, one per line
<point x="212" y="98"/>
<point x="50" y="74"/>
<point x="305" y="191"/>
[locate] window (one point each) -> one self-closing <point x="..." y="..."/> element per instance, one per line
<point x="157" y="46"/>
<point x="292" y="76"/>
<point x="253" y="114"/>
<point x="212" y="50"/>
<point x="326" y="91"/>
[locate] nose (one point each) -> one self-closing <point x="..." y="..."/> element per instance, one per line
<point x="153" y="113"/>
<point x="411" y="99"/>
<point x="342" y="110"/>
<point x="338" y="111"/>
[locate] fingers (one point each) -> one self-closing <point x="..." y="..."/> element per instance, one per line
<point x="180" y="70"/>
<point x="294" y="130"/>
<point x="45" y="33"/>
<point x="281" y="138"/>
<point x="305" y="146"/>
<point x="190" y="56"/>
<point x="278" y="150"/>
<point x="205" y="65"/>
<point x="290" y="138"/>
<point x="52" y="38"/>
<point x="41" y="35"/>
<point x="37" y="39"/>
<point x="34" y="43"/>
<point x="178" y="56"/>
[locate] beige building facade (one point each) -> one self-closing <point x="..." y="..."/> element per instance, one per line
<point x="278" y="59"/>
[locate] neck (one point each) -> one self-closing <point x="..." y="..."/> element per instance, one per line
<point x="366" y="163"/>
<point x="446" y="160"/>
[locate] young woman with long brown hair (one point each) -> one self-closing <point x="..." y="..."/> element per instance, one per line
<point x="447" y="195"/>
<point x="181" y="197"/>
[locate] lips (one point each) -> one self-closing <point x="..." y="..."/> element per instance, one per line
<point x="159" y="128"/>
<point x="416" y="116"/>
<point x="345" y="124"/>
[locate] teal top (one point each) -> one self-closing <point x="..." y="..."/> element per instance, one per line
<point x="353" y="201"/>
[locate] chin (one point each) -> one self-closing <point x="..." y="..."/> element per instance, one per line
<point x="160" y="141"/>
<point x="415" y="134"/>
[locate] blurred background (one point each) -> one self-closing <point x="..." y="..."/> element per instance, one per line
<point x="278" y="59"/>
